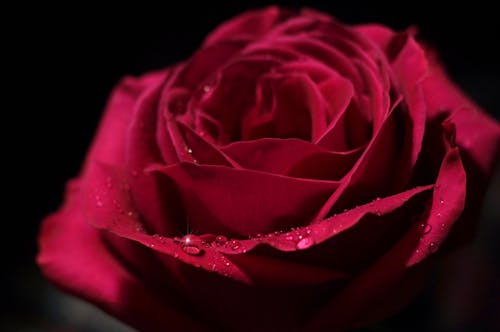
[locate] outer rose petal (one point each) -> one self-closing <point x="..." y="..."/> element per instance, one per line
<point x="250" y="25"/>
<point x="109" y="143"/>
<point x="477" y="134"/>
<point x="389" y="283"/>
<point x="73" y="256"/>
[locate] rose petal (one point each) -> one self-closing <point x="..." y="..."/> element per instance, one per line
<point x="266" y="271"/>
<point x="296" y="109"/>
<point x="380" y="35"/>
<point x="410" y="69"/>
<point x="242" y="202"/>
<point x="251" y="25"/>
<point x="203" y="151"/>
<point x="448" y="200"/>
<point x="111" y="208"/>
<point x="148" y="192"/>
<point x="444" y="98"/>
<point x="234" y="94"/>
<point x="330" y="227"/>
<point x="292" y="157"/>
<point x="108" y="145"/>
<point x="73" y="256"/>
<point x="368" y="177"/>
<point x="271" y="155"/>
<point x="201" y="66"/>
<point x="391" y="273"/>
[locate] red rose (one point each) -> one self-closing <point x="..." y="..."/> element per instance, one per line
<point x="294" y="174"/>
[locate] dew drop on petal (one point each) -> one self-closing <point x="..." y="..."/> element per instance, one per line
<point x="427" y="228"/>
<point x="192" y="250"/>
<point x="207" y="88"/>
<point x="235" y="245"/>
<point x="433" y="247"/>
<point x="305" y="243"/>
<point x="220" y="240"/>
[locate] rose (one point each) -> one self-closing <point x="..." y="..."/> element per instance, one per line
<point x="294" y="174"/>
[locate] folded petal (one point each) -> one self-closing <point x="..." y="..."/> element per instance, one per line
<point x="74" y="257"/>
<point x="108" y="206"/>
<point x="242" y="202"/>
<point x="250" y="25"/>
<point x="365" y="299"/>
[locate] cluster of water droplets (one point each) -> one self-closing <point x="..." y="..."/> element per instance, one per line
<point x="426" y="228"/>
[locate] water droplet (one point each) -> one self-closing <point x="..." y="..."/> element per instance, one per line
<point x="443" y="226"/>
<point x="213" y="267"/>
<point x="417" y="251"/>
<point x="192" y="250"/>
<point x="427" y="228"/>
<point x="289" y="237"/>
<point x="188" y="150"/>
<point x="441" y="201"/>
<point x="189" y="240"/>
<point x="130" y="214"/>
<point x="207" y="88"/>
<point x="305" y="243"/>
<point x="99" y="204"/>
<point x="235" y="244"/>
<point x="377" y="199"/>
<point x="439" y="215"/>
<point x="433" y="247"/>
<point x="220" y="240"/>
<point x="308" y="231"/>
<point x="378" y="212"/>
<point x="228" y="264"/>
<point x="190" y="244"/>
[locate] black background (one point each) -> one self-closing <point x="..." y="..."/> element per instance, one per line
<point x="64" y="60"/>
